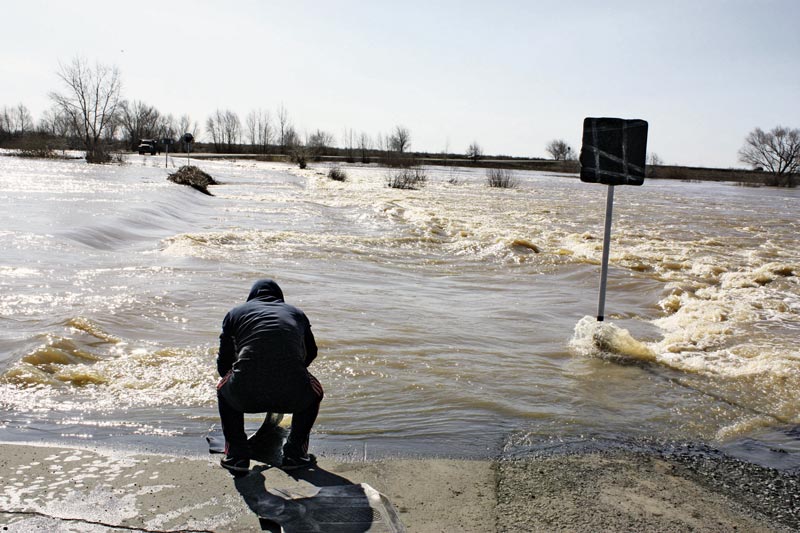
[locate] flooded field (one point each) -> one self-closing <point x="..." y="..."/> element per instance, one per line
<point x="451" y="319"/>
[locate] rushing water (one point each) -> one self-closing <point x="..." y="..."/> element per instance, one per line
<point x="448" y="318"/>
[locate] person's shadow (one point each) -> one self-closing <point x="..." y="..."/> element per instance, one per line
<point x="321" y="502"/>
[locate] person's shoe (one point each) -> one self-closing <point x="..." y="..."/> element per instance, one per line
<point x="236" y="465"/>
<point x="293" y="463"/>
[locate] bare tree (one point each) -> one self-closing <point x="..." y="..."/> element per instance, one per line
<point x="169" y="127"/>
<point x="184" y="125"/>
<point x="284" y="126"/>
<point x="776" y="151"/>
<point x="91" y="100"/>
<point x="23" y="119"/>
<point x="381" y="143"/>
<point x="15" y="120"/>
<point x="214" y="129"/>
<point x="400" y="139"/>
<point x="259" y="129"/>
<point x="56" y="123"/>
<point x="110" y="133"/>
<point x="187" y="125"/>
<point x="291" y="137"/>
<point x="251" y="126"/>
<point x="560" y="150"/>
<point x="319" y="142"/>
<point x="6" y="120"/>
<point x="298" y="150"/>
<point x="364" y="146"/>
<point x="224" y="127"/>
<point x="232" y="127"/>
<point x="349" y="142"/>
<point x="474" y="152"/>
<point x="654" y="159"/>
<point x="6" y="124"/>
<point x="139" y="121"/>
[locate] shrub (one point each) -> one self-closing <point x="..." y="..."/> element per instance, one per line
<point x="299" y="155"/>
<point x="98" y="156"/>
<point x="408" y="178"/>
<point x="38" y="153"/>
<point x="33" y="145"/>
<point x="337" y="174"/>
<point x="501" y="177"/>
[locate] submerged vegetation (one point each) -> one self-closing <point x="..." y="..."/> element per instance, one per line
<point x="408" y="178"/>
<point x="502" y="178"/>
<point x="337" y="174"/>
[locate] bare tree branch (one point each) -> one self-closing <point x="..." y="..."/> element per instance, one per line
<point x="91" y="100"/>
<point x="560" y="150"/>
<point x="776" y="151"/>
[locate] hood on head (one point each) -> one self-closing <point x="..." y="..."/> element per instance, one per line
<point x="265" y="289"/>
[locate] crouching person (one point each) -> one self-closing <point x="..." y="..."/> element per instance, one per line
<point x="265" y="348"/>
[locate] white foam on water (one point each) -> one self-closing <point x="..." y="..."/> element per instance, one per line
<point x="608" y="341"/>
<point x="96" y="371"/>
<point x="740" y="331"/>
<point x="727" y="259"/>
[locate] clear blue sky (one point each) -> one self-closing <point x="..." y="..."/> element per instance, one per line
<point x="511" y="75"/>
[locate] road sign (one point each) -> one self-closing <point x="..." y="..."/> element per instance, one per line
<point x="188" y="139"/>
<point x="613" y="151"/>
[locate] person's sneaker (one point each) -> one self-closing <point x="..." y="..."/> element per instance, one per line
<point x="235" y="464"/>
<point x="293" y="463"/>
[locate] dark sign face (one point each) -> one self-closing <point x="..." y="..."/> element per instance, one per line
<point x="613" y="151"/>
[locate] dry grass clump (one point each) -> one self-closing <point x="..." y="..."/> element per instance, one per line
<point x="502" y="178"/>
<point x="193" y="177"/>
<point x="408" y="178"/>
<point x="337" y="174"/>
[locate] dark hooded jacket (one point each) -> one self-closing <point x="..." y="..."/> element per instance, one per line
<point x="266" y="345"/>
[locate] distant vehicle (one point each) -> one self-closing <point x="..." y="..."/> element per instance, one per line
<point x="147" y="146"/>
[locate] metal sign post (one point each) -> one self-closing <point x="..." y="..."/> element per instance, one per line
<point x="167" y="142"/>
<point x="188" y="139"/>
<point x="613" y="153"/>
<point x="601" y="305"/>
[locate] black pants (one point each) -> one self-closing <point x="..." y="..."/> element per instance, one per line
<point x="302" y="421"/>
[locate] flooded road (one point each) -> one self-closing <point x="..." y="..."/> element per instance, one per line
<point x="448" y="318"/>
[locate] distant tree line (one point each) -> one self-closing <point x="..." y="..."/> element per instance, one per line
<point x="88" y="112"/>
